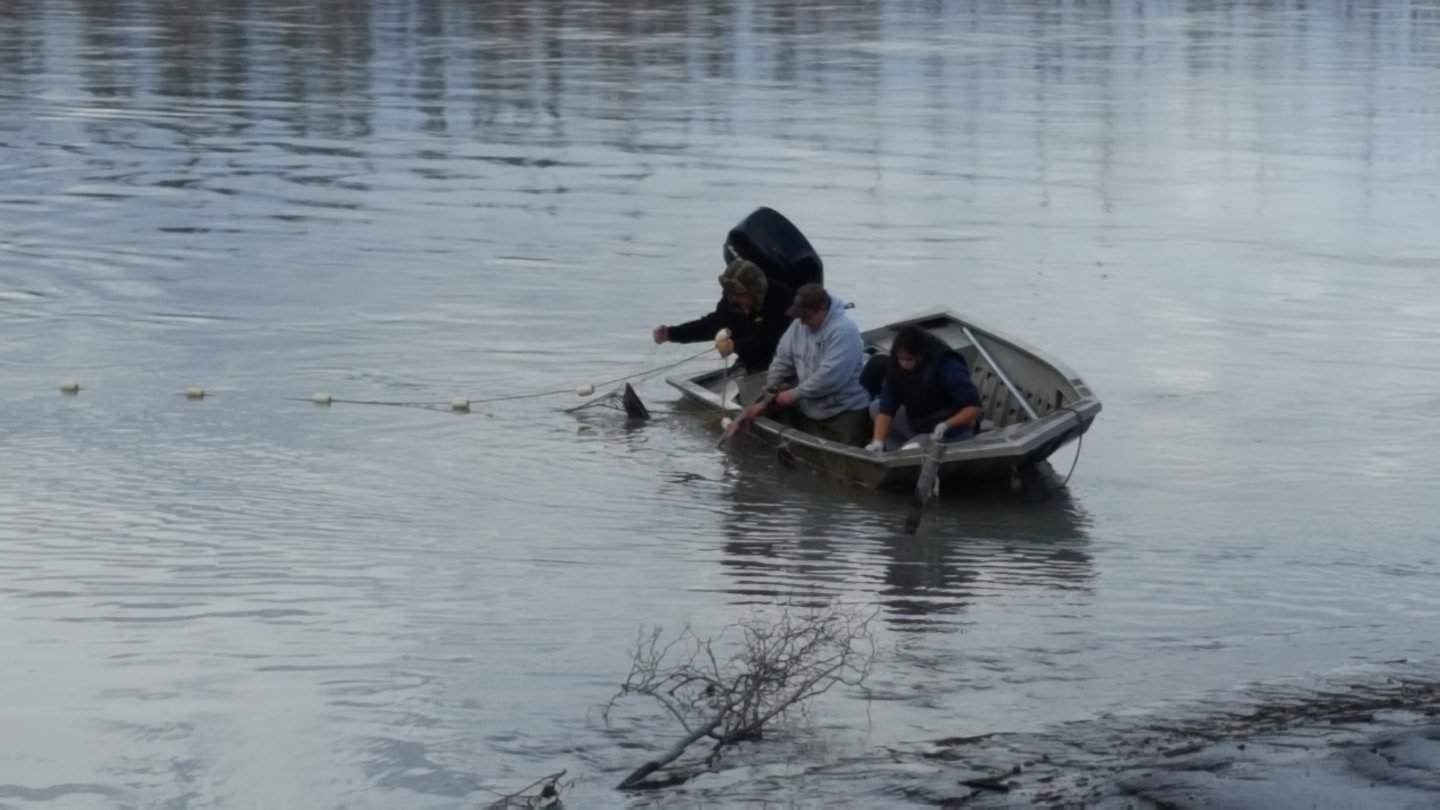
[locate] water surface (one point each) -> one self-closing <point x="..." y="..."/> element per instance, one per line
<point x="1221" y="214"/>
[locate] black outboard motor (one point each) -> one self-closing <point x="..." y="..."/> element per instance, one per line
<point x="774" y="244"/>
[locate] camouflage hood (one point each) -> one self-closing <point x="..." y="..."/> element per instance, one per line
<point x="744" y="276"/>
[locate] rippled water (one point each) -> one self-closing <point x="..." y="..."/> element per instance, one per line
<point x="1222" y="214"/>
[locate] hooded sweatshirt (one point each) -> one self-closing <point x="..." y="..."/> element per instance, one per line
<point x="824" y="364"/>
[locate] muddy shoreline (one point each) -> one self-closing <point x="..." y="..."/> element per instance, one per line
<point x="1372" y="743"/>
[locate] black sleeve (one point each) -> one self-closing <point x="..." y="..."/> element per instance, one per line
<point x="703" y="328"/>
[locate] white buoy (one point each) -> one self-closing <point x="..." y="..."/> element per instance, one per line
<point x="321" y="398"/>
<point x="194" y="392"/>
<point x="460" y="405"/>
<point x="584" y="390"/>
<point x="70" y="387"/>
<point x="724" y="345"/>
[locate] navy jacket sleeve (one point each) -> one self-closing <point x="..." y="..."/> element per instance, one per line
<point x="955" y="377"/>
<point x="889" y="398"/>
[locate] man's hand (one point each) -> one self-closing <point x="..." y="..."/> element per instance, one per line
<point x="725" y="346"/>
<point x="786" y="398"/>
<point x="752" y="413"/>
<point x="661" y="334"/>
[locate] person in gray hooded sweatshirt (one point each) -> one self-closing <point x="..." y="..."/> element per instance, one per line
<point x="819" y="358"/>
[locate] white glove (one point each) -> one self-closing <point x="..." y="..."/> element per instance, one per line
<point x="875" y="447"/>
<point x="938" y="434"/>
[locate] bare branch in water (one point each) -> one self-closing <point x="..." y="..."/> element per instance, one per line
<point x="542" y="794"/>
<point x="779" y="663"/>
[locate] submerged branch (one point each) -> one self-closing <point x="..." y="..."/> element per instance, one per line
<point x="777" y="665"/>
<point x="542" y="793"/>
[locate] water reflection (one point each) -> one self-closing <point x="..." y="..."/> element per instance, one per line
<point x="649" y="78"/>
<point x="788" y="536"/>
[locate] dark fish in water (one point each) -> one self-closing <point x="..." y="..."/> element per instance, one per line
<point x="634" y="408"/>
<point x="740" y="422"/>
<point x="926" y="486"/>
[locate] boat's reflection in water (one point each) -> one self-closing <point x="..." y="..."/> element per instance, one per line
<point x="792" y="535"/>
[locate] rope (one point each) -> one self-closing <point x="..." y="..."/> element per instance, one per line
<point x="1079" y="445"/>
<point x="611" y="406"/>
<point x="336" y="401"/>
<point x="645" y="375"/>
<point x="514" y="397"/>
<point x="638" y="376"/>
<point x="649" y="356"/>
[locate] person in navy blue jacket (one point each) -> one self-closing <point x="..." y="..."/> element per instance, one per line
<point x="931" y="382"/>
